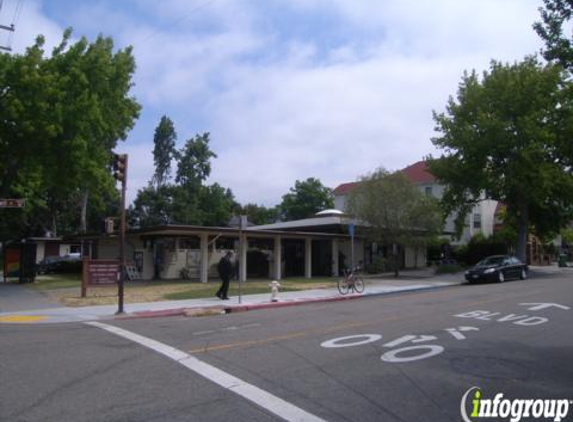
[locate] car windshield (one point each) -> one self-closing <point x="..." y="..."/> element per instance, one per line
<point x="494" y="260"/>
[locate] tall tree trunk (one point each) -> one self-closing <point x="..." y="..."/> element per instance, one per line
<point x="395" y="250"/>
<point x="522" y="232"/>
<point x="54" y="224"/>
<point x="84" y="212"/>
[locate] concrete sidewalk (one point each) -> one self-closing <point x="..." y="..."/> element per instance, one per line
<point x="205" y="306"/>
<point x="381" y="284"/>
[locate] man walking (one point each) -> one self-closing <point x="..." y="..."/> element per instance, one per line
<point x="225" y="268"/>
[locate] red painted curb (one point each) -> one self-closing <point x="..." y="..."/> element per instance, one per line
<point x="233" y="308"/>
<point x="254" y="307"/>
<point x="153" y="314"/>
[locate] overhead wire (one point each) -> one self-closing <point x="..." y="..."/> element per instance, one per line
<point x="17" y="12"/>
<point x="174" y="21"/>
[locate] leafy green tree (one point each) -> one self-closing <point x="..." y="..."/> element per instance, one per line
<point x="305" y="199"/>
<point x="217" y="205"/>
<point x="194" y="161"/>
<point x="188" y="200"/>
<point x="62" y="116"/>
<point x="554" y="16"/>
<point x="506" y="233"/>
<point x="428" y="221"/>
<point x="567" y="236"/>
<point x="152" y="207"/>
<point x="163" y="150"/>
<point x="186" y="205"/>
<point x="507" y="137"/>
<point x="259" y="214"/>
<point x="396" y="211"/>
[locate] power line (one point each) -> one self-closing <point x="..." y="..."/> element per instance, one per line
<point x="17" y="12"/>
<point x="175" y="21"/>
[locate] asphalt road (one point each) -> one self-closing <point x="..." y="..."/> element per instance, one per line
<point x="402" y="357"/>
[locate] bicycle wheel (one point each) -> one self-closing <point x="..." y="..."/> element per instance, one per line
<point x="343" y="286"/>
<point x="358" y="285"/>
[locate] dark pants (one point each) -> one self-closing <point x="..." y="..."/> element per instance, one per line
<point x="224" y="289"/>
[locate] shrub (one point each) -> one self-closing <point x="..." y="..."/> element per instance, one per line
<point x="449" y="269"/>
<point x="379" y="265"/>
<point x="478" y="248"/>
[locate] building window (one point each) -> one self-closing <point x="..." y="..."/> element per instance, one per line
<point x="428" y="191"/>
<point x="477" y="221"/>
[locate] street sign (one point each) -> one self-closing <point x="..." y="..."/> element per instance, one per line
<point x="11" y="203"/>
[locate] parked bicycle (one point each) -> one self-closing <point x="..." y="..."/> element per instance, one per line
<point x="351" y="281"/>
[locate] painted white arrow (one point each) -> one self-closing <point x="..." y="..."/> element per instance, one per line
<point x="539" y="306"/>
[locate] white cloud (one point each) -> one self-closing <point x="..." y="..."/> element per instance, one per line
<point x="335" y="123"/>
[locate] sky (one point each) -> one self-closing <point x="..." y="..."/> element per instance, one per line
<point x="290" y="89"/>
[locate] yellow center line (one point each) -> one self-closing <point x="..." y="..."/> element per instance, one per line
<point x="22" y="318"/>
<point x="287" y="336"/>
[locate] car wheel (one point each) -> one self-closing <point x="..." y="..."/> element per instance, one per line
<point x="500" y="277"/>
<point x="523" y="274"/>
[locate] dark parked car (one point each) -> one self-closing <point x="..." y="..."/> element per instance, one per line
<point x="70" y="263"/>
<point x="497" y="268"/>
<point x="47" y="265"/>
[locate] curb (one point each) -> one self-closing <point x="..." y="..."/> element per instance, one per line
<point x="269" y="305"/>
<point x="152" y="314"/>
<point x="230" y="309"/>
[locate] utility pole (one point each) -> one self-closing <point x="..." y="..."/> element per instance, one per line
<point x="10" y="28"/>
<point x="6" y="28"/>
<point x="120" y="174"/>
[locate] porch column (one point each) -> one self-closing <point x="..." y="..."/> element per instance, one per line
<point x="277" y="254"/>
<point x="243" y="258"/>
<point x="308" y="258"/>
<point x="204" y="264"/>
<point x="334" y="257"/>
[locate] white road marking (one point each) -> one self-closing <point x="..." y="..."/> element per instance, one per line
<point x="393" y="355"/>
<point x="261" y="398"/>
<point x="539" y="306"/>
<point x="360" y="339"/>
<point x="457" y="332"/>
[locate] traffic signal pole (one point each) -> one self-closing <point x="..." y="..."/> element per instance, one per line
<point x="120" y="167"/>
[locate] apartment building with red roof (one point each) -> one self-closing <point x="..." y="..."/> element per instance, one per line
<point x="481" y="219"/>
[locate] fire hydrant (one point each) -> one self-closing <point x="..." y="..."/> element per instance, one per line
<point x="274" y="285"/>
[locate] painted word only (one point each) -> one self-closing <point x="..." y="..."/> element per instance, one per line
<point x="524" y="320"/>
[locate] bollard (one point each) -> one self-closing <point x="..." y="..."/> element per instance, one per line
<point x="274" y="285"/>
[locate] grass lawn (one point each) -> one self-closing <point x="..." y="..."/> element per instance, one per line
<point x="198" y="290"/>
<point x="65" y="288"/>
<point x="57" y="281"/>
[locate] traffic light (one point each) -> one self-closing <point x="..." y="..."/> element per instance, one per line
<point x="119" y="166"/>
